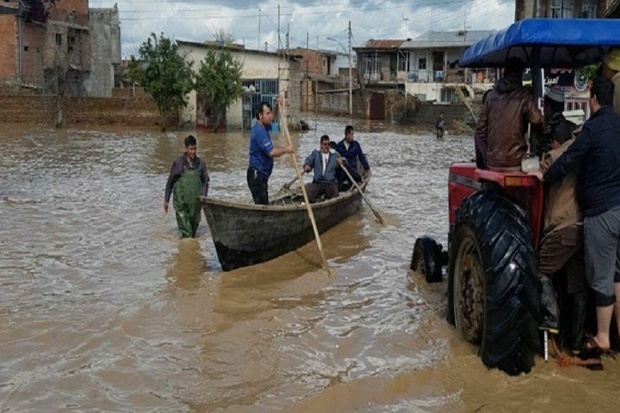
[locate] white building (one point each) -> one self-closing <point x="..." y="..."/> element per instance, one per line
<point x="265" y="75"/>
<point x="432" y="65"/>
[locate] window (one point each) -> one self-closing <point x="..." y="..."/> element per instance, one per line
<point x="588" y="9"/>
<point x="403" y="62"/>
<point x="58" y="39"/>
<point x="561" y="9"/>
<point x="422" y="64"/>
<point x="26" y="48"/>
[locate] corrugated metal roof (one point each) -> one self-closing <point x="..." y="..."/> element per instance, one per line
<point x="460" y="38"/>
<point x="381" y="44"/>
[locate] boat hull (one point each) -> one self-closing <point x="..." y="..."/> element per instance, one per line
<point x="248" y="234"/>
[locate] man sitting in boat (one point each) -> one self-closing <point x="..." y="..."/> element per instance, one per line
<point x="325" y="163"/>
<point x="351" y="150"/>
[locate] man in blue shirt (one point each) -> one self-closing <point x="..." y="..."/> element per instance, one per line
<point x="351" y="150"/>
<point x="262" y="153"/>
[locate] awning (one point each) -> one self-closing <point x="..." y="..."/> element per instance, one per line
<point x="562" y="43"/>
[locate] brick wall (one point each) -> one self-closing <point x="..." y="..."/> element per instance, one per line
<point x="140" y="111"/>
<point x="8" y="48"/>
<point x="311" y="61"/>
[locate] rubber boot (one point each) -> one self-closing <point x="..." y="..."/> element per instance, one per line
<point x="580" y="310"/>
<point x="549" y="306"/>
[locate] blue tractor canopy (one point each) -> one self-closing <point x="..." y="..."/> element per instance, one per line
<point x="546" y="43"/>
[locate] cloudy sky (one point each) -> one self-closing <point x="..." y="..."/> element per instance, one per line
<point x="198" y="20"/>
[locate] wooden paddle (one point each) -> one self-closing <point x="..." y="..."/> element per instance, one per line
<point x="303" y="187"/>
<point x="362" y="193"/>
<point x="292" y="181"/>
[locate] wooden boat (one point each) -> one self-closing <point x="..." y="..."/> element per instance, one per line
<point x="246" y="234"/>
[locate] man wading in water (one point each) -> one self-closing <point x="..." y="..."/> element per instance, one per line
<point x="189" y="179"/>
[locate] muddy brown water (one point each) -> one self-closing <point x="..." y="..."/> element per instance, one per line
<point x="103" y="309"/>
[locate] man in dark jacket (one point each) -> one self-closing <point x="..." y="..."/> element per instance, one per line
<point x="597" y="153"/>
<point x="188" y="179"/>
<point x="562" y="243"/>
<point x="324" y="162"/>
<point x="502" y="125"/>
<point x="351" y="150"/>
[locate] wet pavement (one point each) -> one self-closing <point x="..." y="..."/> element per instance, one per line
<point x="103" y="308"/>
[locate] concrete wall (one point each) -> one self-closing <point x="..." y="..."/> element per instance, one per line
<point x="338" y="104"/>
<point x="426" y="115"/>
<point x="256" y="65"/>
<point x="431" y="91"/>
<point x="105" y="50"/>
<point x="140" y="111"/>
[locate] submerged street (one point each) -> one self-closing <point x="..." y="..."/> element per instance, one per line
<point x="103" y="307"/>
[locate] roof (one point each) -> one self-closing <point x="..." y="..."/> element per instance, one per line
<point x="381" y="44"/>
<point x="231" y="49"/>
<point x="560" y="43"/>
<point x="325" y="52"/>
<point x="461" y="38"/>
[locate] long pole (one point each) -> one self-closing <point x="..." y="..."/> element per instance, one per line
<point x="279" y="40"/>
<point x="258" y="40"/>
<point x="350" y="76"/>
<point x="344" y="168"/>
<point x="303" y="187"/>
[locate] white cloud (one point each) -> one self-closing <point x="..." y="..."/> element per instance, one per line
<point x="197" y="20"/>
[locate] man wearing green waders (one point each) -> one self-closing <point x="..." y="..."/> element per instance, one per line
<point x="188" y="179"/>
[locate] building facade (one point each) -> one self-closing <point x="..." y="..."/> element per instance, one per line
<point x="566" y="8"/>
<point x="105" y="44"/>
<point x="47" y="45"/>
<point x="265" y="76"/>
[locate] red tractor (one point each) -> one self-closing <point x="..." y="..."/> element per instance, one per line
<point x="496" y="218"/>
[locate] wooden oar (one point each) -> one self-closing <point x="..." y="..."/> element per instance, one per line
<point x="292" y="181"/>
<point x="303" y="187"/>
<point x="362" y="193"/>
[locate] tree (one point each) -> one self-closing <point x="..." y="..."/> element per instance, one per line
<point x="163" y="73"/>
<point x="219" y="81"/>
<point x="224" y="38"/>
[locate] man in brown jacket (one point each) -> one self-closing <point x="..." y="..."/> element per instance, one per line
<point x="562" y="243"/>
<point x="503" y="122"/>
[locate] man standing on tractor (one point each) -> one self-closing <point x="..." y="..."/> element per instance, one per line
<point x="503" y="123"/>
<point x="611" y="70"/>
<point x="597" y="154"/>
<point x="562" y="243"/>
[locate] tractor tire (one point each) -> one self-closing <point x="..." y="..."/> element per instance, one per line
<point x="493" y="289"/>
<point x="426" y="258"/>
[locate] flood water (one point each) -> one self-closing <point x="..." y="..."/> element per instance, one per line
<point x="102" y="308"/>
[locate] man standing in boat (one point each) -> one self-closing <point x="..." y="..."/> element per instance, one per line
<point x="188" y="179"/>
<point x="262" y="153"/>
<point x="324" y="163"/>
<point x="351" y="150"/>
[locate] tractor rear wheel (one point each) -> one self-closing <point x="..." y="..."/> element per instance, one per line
<point x="493" y="288"/>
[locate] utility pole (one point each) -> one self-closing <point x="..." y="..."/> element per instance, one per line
<point x="288" y="28"/>
<point x="279" y="40"/>
<point x="265" y="46"/>
<point x="258" y="39"/>
<point x="307" y="40"/>
<point x="406" y="20"/>
<point x="350" y="75"/>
